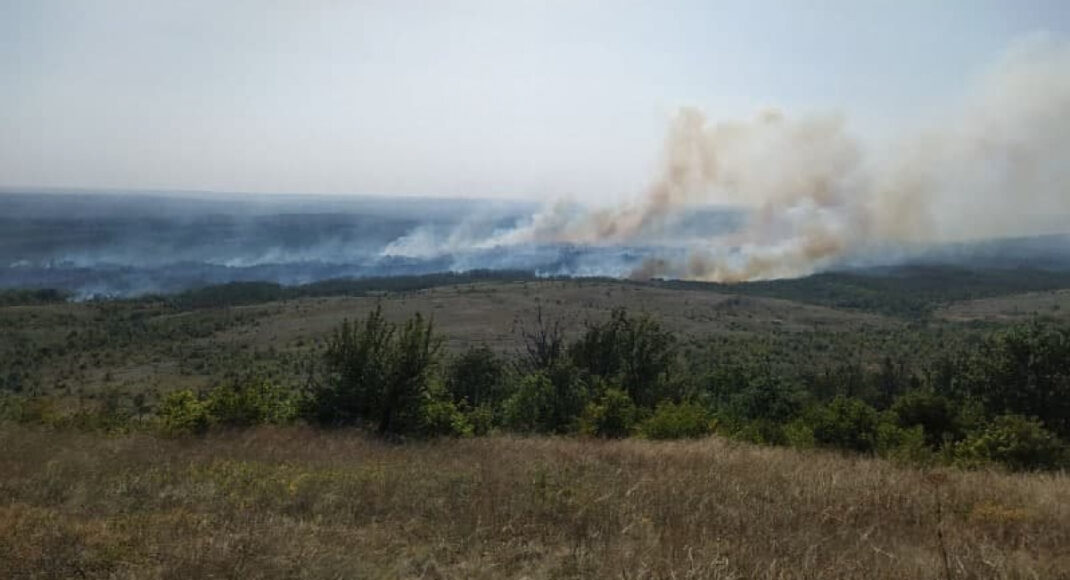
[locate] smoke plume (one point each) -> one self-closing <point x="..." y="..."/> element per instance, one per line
<point x="997" y="166"/>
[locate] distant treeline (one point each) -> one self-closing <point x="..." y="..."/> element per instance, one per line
<point x="907" y="291"/>
<point x="30" y="297"/>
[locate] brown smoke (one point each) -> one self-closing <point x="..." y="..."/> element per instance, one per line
<point x="1000" y="166"/>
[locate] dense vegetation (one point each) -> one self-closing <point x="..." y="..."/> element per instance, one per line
<point x="1002" y="400"/>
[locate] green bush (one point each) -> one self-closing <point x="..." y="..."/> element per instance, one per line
<point x="1014" y="441"/>
<point x="377" y="373"/>
<point x="251" y="402"/>
<point x="549" y="401"/>
<point x="846" y="423"/>
<point x="481" y="419"/>
<point x="676" y="421"/>
<point x="182" y="413"/>
<point x="476" y="378"/>
<point x="612" y="416"/>
<point x="936" y="414"/>
<point x="439" y="417"/>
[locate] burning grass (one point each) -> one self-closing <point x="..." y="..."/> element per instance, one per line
<point x="295" y="502"/>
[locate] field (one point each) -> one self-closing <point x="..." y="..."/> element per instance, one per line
<point x="301" y="503"/>
<point x="119" y="496"/>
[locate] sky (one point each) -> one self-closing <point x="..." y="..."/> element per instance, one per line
<point x="495" y="99"/>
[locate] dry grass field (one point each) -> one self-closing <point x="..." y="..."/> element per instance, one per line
<point x="301" y="503"/>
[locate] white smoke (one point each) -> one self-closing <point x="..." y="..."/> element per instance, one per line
<point x="998" y="166"/>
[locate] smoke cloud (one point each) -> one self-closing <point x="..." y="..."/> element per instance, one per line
<point x="998" y="166"/>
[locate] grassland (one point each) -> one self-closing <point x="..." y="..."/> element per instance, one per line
<point x="301" y="503"/>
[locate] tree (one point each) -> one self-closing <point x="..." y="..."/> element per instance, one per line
<point x="476" y="378"/>
<point x="1026" y="371"/>
<point x="632" y="351"/>
<point x="377" y="374"/>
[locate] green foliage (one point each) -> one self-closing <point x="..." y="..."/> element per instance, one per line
<point x="476" y="377"/>
<point x="847" y="424"/>
<point x="376" y="373"/>
<point x="903" y="444"/>
<point x="549" y="401"/>
<point x="439" y="417"/>
<point x="635" y="352"/>
<point x="252" y="401"/>
<point x="612" y="416"/>
<point x="676" y="421"/>
<point x="935" y="414"/>
<point x="1026" y="371"/>
<point x="182" y="413"/>
<point x="481" y="419"/>
<point x="1014" y="441"/>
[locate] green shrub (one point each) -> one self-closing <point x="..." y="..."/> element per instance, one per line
<point x="676" y="421"/>
<point x="799" y="434"/>
<point x="476" y="377"/>
<point x="251" y="402"/>
<point x="439" y="417"/>
<point x="549" y="401"/>
<point x="182" y="413"/>
<point x="1014" y="441"/>
<point x="612" y="416"/>
<point x="377" y="373"/>
<point x="907" y="445"/>
<point x="846" y="423"/>
<point x="481" y="419"/>
<point x="936" y="414"/>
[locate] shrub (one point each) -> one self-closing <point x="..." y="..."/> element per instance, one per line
<point x="476" y="378"/>
<point x="377" y="373"/>
<point x="799" y="434"/>
<point x="549" y="401"/>
<point x="1014" y="441"/>
<point x="182" y="413"/>
<point x="250" y="402"/>
<point x="676" y="421"/>
<point x="612" y="416"/>
<point x="439" y="417"/>
<point x="481" y="419"/>
<point x="935" y="414"/>
<point x="846" y="423"/>
<point x="635" y="352"/>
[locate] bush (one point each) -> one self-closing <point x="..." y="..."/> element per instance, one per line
<point x="549" y="401"/>
<point x="846" y="423"/>
<point x="613" y="416"/>
<point x="440" y="418"/>
<point x="251" y="402"/>
<point x="481" y="419"/>
<point x="377" y="373"/>
<point x="634" y="352"/>
<point x="676" y="421"/>
<point x="182" y="413"/>
<point x="935" y="414"/>
<point x="1014" y="441"/>
<point x="476" y="378"/>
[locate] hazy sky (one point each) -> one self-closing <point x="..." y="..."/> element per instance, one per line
<point x="489" y="99"/>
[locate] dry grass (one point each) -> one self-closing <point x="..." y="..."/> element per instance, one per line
<point x="284" y="503"/>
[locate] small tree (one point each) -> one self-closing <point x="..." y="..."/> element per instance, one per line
<point x="848" y="424"/>
<point x="376" y="374"/>
<point x="1017" y="442"/>
<point x="613" y="416"/>
<point x="476" y="378"/>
